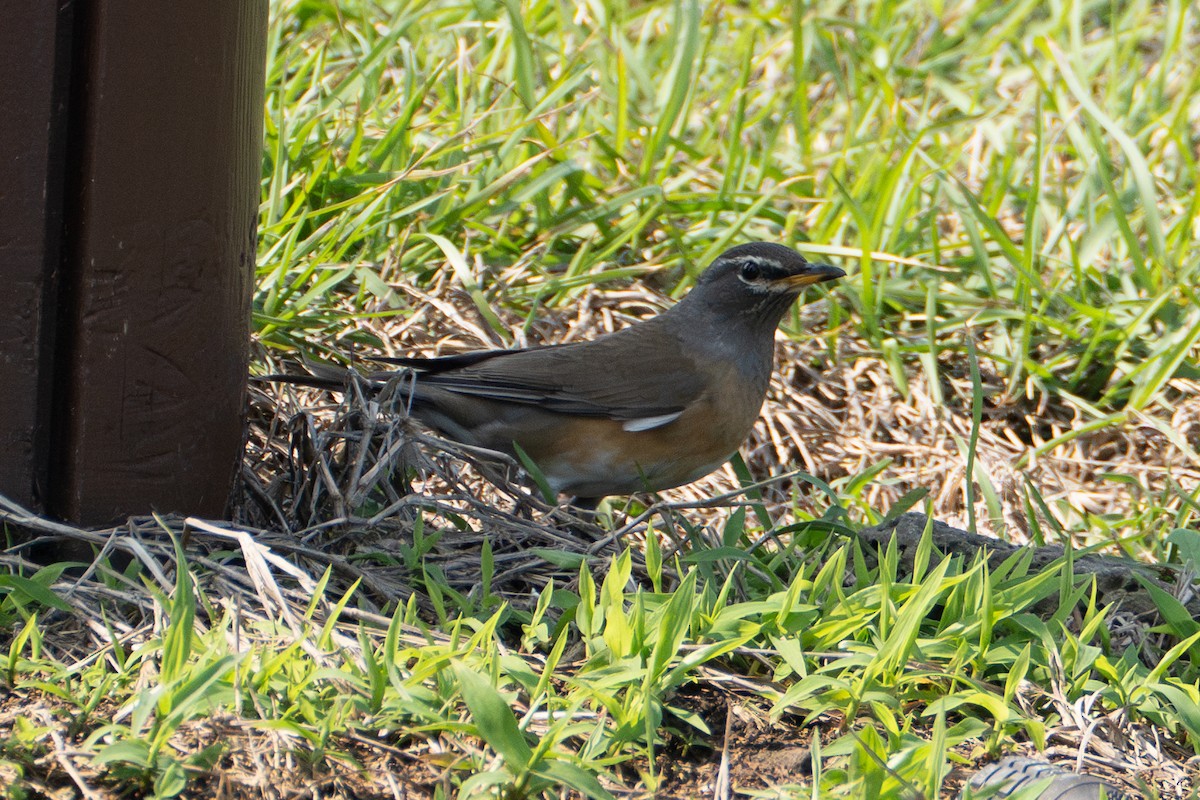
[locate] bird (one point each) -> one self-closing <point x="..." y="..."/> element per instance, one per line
<point x="658" y="404"/>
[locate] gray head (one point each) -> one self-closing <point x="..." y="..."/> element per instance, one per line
<point x="755" y="284"/>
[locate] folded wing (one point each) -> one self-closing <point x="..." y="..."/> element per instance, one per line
<point x="645" y="386"/>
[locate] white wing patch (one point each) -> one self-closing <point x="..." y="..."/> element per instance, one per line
<point x="650" y="423"/>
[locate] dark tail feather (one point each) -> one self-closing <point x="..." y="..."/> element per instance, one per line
<point x="302" y="380"/>
<point x="444" y="363"/>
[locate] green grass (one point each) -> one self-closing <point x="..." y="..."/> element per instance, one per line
<point x="949" y="657"/>
<point x="1039" y="185"/>
<point x="1013" y="186"/>
<point x="1016" y="176"/>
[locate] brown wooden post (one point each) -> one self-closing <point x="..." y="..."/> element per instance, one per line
<point x="161" y="163"/>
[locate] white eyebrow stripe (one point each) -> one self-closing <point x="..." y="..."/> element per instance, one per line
<point x="650" y="423"/>
<point x="757" y="260"/>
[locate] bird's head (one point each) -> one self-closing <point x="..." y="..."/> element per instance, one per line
<point x="757" y="283"/>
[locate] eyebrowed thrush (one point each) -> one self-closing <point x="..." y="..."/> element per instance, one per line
<point x="655" y="405"/>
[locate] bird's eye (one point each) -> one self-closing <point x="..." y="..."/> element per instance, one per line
<point x="751" y="272"/>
